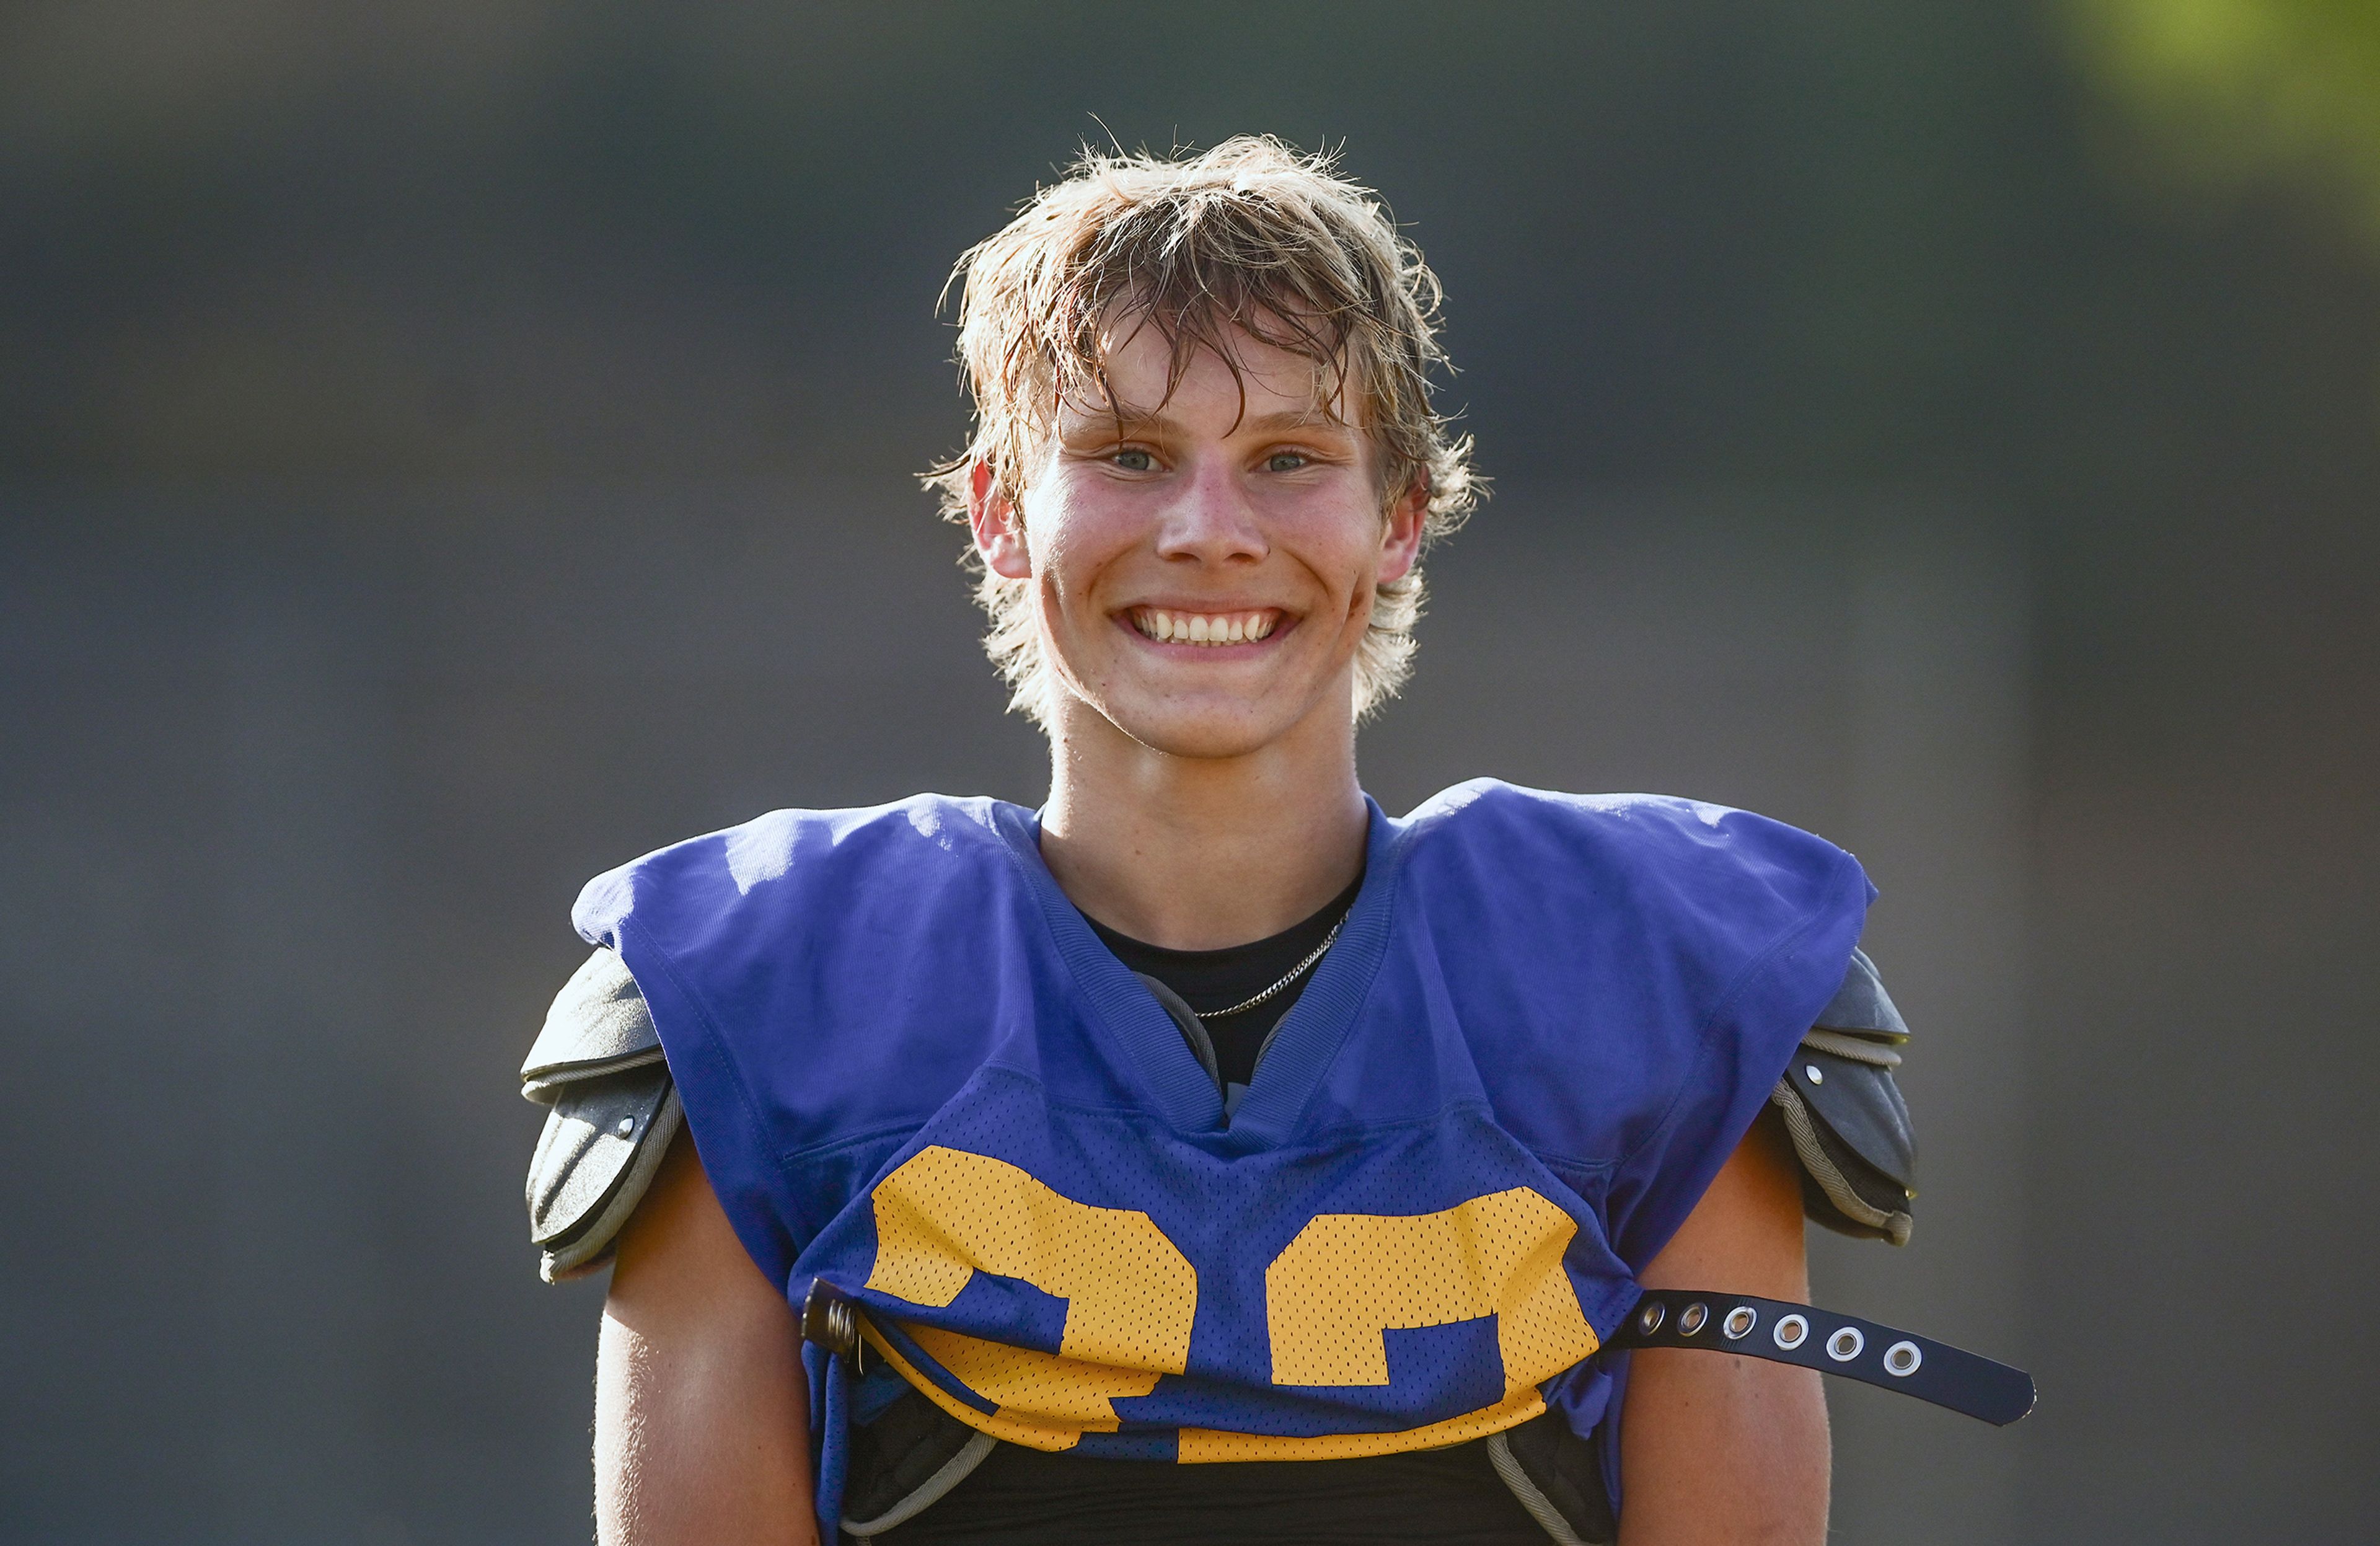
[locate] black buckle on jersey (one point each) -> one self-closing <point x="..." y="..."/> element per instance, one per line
<point x="832" y="1319"/>
<point x="1831" y="1343"/>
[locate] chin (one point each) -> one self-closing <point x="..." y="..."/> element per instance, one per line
<point x="1205" y="736"/>
<point x="1204" y="731"/>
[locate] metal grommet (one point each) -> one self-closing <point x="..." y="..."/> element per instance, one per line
<point x="1739" y="1322"/>
<point x="1813" y="1073"/>
<point x="1791" y="1333"/>
<point x="625" y="1127"/>
<point x="1649" y="1319"/>
<point x="1693" y="1318"/>
<point x="1845" y="1345"/>
<point x="1900" y="1359"/>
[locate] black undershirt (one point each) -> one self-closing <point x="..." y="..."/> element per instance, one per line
<point x="1212" y="979"/>
<point x="1445" y="1497"/>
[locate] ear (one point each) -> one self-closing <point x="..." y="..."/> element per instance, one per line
<point x="1401" y="536"/>
<point x="999" y="534"/>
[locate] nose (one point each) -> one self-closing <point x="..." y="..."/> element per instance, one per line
<point x="1212" y="519"/>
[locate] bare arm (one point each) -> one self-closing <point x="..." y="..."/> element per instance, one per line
<point x="1717" y="1448"/>
<point x="702" y="1410"/>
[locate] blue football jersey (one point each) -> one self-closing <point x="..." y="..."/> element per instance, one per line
<point x="912" y="1070"/>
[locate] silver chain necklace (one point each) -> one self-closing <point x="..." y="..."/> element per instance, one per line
<point x="1294" y="973"/>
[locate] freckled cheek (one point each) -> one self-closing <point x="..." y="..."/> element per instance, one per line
<point x="1069" y="569"/>
<point x="1345" y="574"/>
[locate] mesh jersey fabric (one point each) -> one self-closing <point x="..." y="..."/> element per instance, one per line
<point x="912" y="1070"/>
<point x="1449" y="1496"/>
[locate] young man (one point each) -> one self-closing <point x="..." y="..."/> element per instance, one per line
<point x="1208" y="1156"/>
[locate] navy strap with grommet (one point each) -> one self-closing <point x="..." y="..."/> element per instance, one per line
<point x="1831" y="1343"/>
<point x="1755" y="1328"/>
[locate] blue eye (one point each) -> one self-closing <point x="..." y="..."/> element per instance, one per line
<point x="1284" y="461"/>
<point x="1136" y="461"/>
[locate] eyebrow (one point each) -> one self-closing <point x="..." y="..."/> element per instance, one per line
<point x="1305" y="420"/>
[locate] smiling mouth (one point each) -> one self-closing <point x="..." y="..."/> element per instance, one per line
<point x="1203" y="627"/>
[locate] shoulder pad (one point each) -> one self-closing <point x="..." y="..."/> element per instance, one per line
<point x="598" y="1064"/>
<point x="598" y="1024"/>
<point x="1851" y="1129"/>
<point x="1861" y="1007"/>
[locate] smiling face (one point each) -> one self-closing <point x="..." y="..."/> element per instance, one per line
<point x="1203" y="564"/>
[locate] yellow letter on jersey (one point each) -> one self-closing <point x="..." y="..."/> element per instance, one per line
<point x="1349" y="1277"/>
<point x="945" y="1215"/>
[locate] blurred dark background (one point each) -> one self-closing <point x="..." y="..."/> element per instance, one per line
<point x="447" y="450"/>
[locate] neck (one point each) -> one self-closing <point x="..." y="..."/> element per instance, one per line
<point x="1198" y="853"/>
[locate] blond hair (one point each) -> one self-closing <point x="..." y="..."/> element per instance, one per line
<point x="1249" y="235"/>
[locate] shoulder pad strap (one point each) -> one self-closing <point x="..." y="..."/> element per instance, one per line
<point x="1831" y="1343"/>
<point x="598" y="1024"/>
<point x="1861" y="1007"/>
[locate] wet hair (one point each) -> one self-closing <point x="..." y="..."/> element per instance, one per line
<point x="1251" y="237"/>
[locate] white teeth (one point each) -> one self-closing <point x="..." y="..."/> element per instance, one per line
<point x="1185" y="627"/>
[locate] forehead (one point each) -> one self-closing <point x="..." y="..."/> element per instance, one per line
<point x="1149" y="368"/>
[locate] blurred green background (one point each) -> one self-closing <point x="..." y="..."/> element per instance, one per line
<point x="447" y="450"/>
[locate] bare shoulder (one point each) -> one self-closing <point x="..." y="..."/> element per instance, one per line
<point x="1744" y="1236"/>
<point x="679" y="1237"/>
